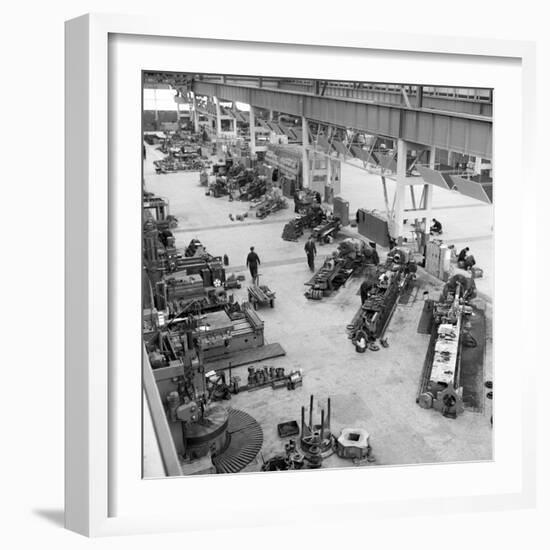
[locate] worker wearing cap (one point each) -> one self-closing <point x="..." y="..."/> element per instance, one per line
<point x="252" y="262"/>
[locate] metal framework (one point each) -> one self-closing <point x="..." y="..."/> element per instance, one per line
<point x="477" y="101"/>
<point x="333" y="107"/>
<point x="463" y="133"/>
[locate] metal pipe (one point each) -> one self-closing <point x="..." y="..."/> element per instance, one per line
<point x="322" y="424"/>
<point x="328" y="413"/>
<point x="303" y="420"/>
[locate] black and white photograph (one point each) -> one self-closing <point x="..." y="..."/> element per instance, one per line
<point x="318" y="273"/>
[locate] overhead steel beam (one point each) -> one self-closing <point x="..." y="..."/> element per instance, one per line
<point x="463" y="133"/>
<point x="469" y="101"/>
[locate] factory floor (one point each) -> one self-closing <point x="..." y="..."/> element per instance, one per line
<point x="375" y="391"/>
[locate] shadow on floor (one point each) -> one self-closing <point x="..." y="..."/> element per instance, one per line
<point x="57" y="517"/>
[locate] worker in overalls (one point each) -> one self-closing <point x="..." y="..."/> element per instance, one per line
<point x="252" y="262"/>
<point x="364" y="290"/>
<point x="311" y="251"/>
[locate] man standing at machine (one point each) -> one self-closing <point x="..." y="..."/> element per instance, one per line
<point x="311" y="251"/>
<point x="252" y="262"/>
<point x="364" y="290"/>
<point x="436" y="227"/>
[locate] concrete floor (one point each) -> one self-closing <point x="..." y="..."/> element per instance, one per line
<point x="376" y="390"/>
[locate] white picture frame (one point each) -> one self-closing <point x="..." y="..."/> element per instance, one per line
<point x="103" y="494"/>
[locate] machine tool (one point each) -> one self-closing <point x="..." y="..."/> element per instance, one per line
<point x="388" y="283"/>
<point x="440" y="386"/>
<point x="349" y="259"/>
<point x="208" y="437"/>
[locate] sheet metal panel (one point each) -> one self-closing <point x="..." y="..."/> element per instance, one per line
<point x="434" y="177"/>
<point x="298" y="133"/>
<point x="372" y="225"/>
<point x="287" y="131"/>
<point x="473" y="189"/>
<point x="361" y="154"/>
<point x="274" y="127"/>
<point x="388" y="161"/>
<point x="340" y="148"/>
<point x="463" y="135"/>
<point x="323" y="144"/>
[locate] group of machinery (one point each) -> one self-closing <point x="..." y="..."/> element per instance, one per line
<point x="183" y="152"/>
<point x="195" y="333"/>
<point x="236" y="181"/>
<point x="308" y="217"/>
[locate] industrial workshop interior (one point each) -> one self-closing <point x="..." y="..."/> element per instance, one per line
<point x="317" y="274"/>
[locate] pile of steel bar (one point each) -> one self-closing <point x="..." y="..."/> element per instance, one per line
<point x="260" y="294"/>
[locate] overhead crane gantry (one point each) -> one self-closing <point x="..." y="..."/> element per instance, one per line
<point x="477" y="101"/>
<point x="461" y="132"/>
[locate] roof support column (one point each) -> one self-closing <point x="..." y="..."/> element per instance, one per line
<point x="477" y="165"/>
<point x="252" y="130"/>
<point x="157" y="120"/>
<point x="428" y="195"/>
<point x="328" y="185"/>
<point x="195" y="114"/>
<point x="218" y="117"/>
<point x="396" y="225"/>
<point x="305" y="155"/>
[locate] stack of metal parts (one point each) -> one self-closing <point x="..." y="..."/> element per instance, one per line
<point x="244" y="441"/>
<point x="291" y="460"/>
<point x="260" y="295"/>
<point x="258" y="378"/>
<point x="189" y="162"/>
<point x="316" y="439"/>
<point x="272" y="376"/>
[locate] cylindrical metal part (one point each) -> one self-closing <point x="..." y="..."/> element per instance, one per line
<point x="328" y="413"/>
<point x="311" y="413"/>
<point x="303" y="419"/>
<point x="322" y="424"/>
